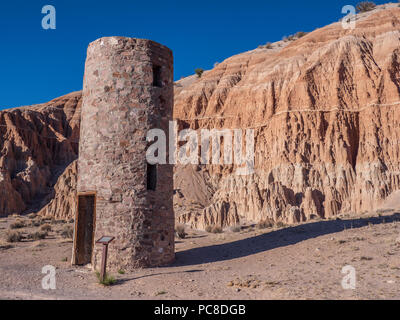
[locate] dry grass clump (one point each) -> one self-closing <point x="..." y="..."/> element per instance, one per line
<point x="38" y="235"/>
<point x="48" y="218"/>
<point x="46" y="227"/>
<point x="300" y="34"/>
<point x="245" y="283"/>
<point x="67" y="232"/>
<point x="268" y="45"/>
<point x="216" y="229"/>
<point x="180" y="231"/>
<point x="295" y="36"/>
<point x="36" y="222"/>
<point x="13" y="236"/>
<point x="18" y="224"/>
<point x="32" y="215"/>
<point x="381" y="211"/>
<point x="236" y="228"/>
<point x="60" y="221"/>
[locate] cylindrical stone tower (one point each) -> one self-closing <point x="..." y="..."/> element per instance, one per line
<point x="128" y="90"/>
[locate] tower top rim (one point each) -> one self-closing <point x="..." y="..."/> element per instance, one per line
<point x="117" y="39"/>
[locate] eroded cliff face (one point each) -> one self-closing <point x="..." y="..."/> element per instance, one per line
<point x="37" y="144"/>
<point x="325" y="112"/>
<point x="60" y="203"/>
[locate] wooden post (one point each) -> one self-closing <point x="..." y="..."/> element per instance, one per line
<point x="104" y="262"/>
<point x="105" y="241"/>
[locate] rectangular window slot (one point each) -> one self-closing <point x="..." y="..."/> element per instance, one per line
<point x="157" y="76"/>
<point x="151" y="177"/>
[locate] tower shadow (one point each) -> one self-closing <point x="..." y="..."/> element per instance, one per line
<point x="272" y="240"/>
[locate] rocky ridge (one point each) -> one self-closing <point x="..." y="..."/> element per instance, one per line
<point x="324" y="109"/>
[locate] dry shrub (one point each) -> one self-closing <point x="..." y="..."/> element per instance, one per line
<point x="5" y="245"/>
<point x="46" y="227"/>
<point x="213" y="229"/>
<point x="199" y="72"/>
<point x="300" y="34"/>
<point x="268" y="45"/>
<point x="36" y="222"/>
<point x="266" y="223"/>
<point x="236" y="228"/>
<point x="67" y="232"/>
<point x="365" y="6"/>
<point x="280" y="224"/>
<point x="18" y="224"/>
<point x="32" y="215"/>
<point x="180" y="231"/>
<point x="13" y="236"/>
<point x="39" y="235"/>
<point x="61" y="221"/>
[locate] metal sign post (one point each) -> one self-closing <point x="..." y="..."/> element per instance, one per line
<point x="105" y="241"/>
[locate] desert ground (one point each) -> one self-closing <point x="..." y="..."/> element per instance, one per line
<point x="303" y="261"/>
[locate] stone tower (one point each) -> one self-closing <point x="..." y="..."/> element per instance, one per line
<point x="128" y="90"/>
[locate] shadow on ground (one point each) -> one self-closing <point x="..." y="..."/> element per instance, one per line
<point x="121" y="281"/>
<point x="275" y="239"/>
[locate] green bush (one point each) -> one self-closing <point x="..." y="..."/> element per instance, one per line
<point x="108" y="280"/>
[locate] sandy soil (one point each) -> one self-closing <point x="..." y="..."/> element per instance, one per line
<point x="298" y="262"/>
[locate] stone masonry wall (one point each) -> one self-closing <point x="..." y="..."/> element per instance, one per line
<point x="120" y="104"/>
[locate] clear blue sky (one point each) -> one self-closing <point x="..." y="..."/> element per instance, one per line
<point x="38" y="65"/>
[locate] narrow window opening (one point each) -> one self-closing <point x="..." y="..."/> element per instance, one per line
<point x="157" y="76"/>
<point x="151" y="177"/>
